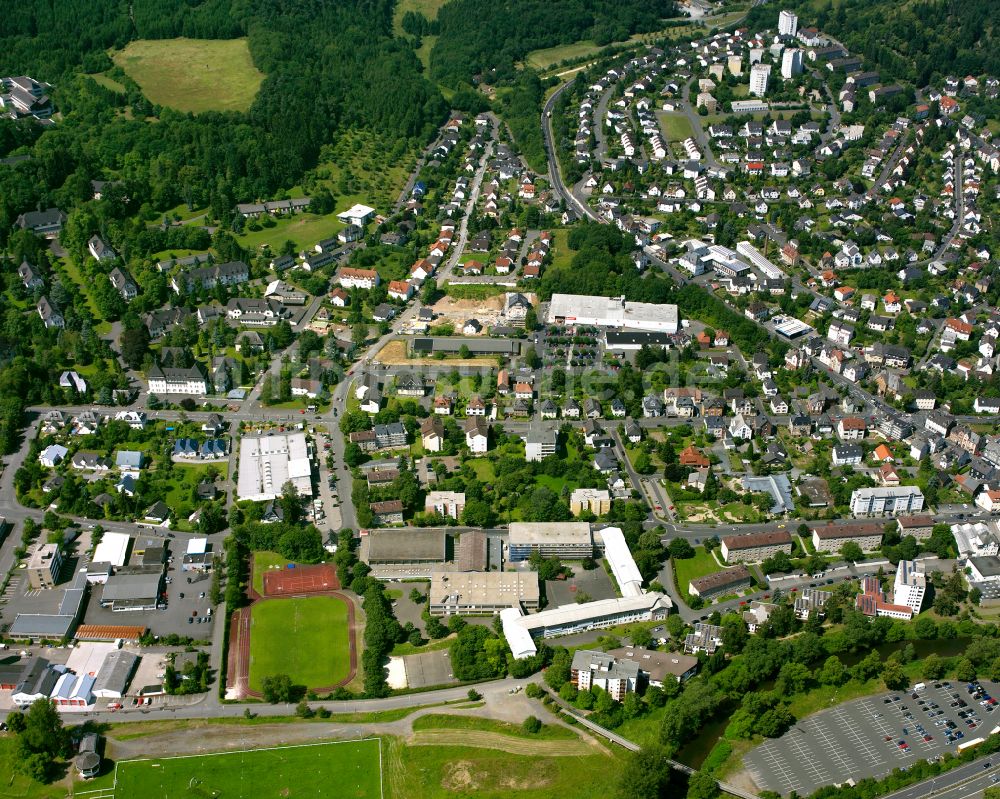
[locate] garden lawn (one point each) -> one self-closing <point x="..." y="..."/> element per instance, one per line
<point x="688" y="569"/>
<point x="483" y="469"/>
<point x="193" y="74"/>
<point x="350" y="769"/>
<point x="13" y="784"/>
<point x="306" y="638"/>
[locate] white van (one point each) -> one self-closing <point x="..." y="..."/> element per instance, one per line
<point x="919" y="686"/>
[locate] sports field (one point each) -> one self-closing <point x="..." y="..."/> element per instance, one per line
<point x="306" y="638"/>
<point x="349" y="769"/>
<point x="193" y="74"/>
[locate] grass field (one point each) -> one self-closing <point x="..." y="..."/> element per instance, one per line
<point x="676" y="126"/>
<point x="426" y="8"/>
<point x="193" y="74"/>
<point x="107" y="82"/>
<point x="305" y="638"/>
<point x="351" y="769"/>
<point x="262" y="562"/>
<point x="550" y="56"/>
<point x="688" y="569"/>
<point x="451" y="770"/>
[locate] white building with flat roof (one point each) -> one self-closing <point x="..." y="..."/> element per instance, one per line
<point x="357" y="214"/>
<point x="581" y="309"/>
<point x="791" y="63"/>
<point x="756" y="259"/>
<point x="788" y="23"/>
<point x="568" y="619"/>
<point x="482" y="593"/>
<point x="910" y="585"/>
<point x="620" y="559"/>
<point x="760" y="74"/>
<point x="268" y="462"/>
<point x="567" y="540"/>
<point x="113" y="549"/>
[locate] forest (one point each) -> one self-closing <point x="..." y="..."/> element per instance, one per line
<point x="484" y="39"/>
<point x="919" y="42"/>
<point x="328" y="66"/>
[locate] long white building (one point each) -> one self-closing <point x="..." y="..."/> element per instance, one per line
<point x="887" y="500"/>
<point x="268" y="462"/>
<point x="757" y="260"/>
<point x="581" y="309"/>
<point x="622" y="564"/>
<point x="566" y="619"/>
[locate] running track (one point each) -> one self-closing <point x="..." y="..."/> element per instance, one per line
<point x="238" y="670"/>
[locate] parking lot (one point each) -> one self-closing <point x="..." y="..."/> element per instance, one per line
<point x="869" y="737"/>
<point x="175" y="617"/>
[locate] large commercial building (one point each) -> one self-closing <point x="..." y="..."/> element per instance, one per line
<point x="112" y="678"/>
<point x="615" y="312"/>
<point x="831" y="537"/>
<point x="139" y="590"/>
<point x="619" y="558"/>
<point x="887" y="500"/>
<point x="481" y="593"/>
<point x="520" y="630"/>
<point x="755" y="547"/>
<point x="910" y="585"/>
<point x="566" y="540"/>
<point x="268" y="462"/>
<point x="602" y="670"/>
<point x="113" y="549"/>
<point x="177" y="380"/>
<point x="392" y="547"/>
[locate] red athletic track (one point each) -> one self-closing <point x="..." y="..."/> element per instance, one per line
<point x="238" y="671"/>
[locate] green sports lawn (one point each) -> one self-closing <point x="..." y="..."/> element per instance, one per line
<point x="348" y="769"/>
<point x="306" y="638"/>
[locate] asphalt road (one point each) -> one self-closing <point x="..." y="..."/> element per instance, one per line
<point x="964" y="782"/>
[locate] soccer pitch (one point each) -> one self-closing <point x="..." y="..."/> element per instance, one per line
<point x="349" y="769"/>
<point x="306" y="638"/>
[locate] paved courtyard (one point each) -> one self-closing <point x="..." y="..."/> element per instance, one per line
<point x="868" y="738"/>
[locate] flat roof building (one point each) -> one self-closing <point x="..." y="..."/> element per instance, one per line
<point x="615" y="312"/>
<point x="568" y="619"/>
<point x="887" y="500"/>
<point x="620" y="559"/>
<point x="44" y="564"/>
<point x="594" y="500"/>
<point x="413" y="545"/>
<point x="268" y="462"/>
<point x="567" y="540"/>
<point x="657" y="667"/>
<point x="591" y="669"/>
<point x="482" y="593"/>
<point x="113" y="549"/>
<point x="132" y="591"/>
